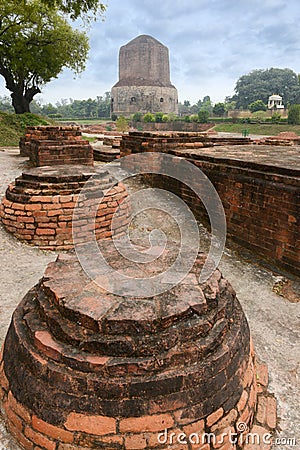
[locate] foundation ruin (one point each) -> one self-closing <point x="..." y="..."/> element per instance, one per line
<point x="38" y="207"/>
<point x="254" y="179"/>
<point x="83" y="368"/>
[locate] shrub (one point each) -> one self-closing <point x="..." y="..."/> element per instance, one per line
<point x="259" y="115"/>
<point x="137" y="117"/>
<point x="294" y="115"/>
<point x="203" y="116"/>
<point x="219" y="109"/>
<point x="114" y="117"/>
<point x="165" y="118"/>
<point x="149" y="117"/>
<point x="122" y="124"/>
<point x="258" y="105"/>
<point x="187" y="119"/>
<point x="159" y="117"/>
<point x="194" y="118"/>
<point x="276" y="117"/>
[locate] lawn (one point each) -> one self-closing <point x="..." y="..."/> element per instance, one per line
<point x="12" y="127"/>
<point x="257" y="128"/>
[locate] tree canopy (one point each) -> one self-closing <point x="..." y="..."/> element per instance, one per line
<point x="77" y="8"/>
<point x="260" y="84"/>
<point x="258" y="105"/>
<point x="36" y="43"/>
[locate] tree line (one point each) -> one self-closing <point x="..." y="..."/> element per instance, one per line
<point x="37" y="41"/>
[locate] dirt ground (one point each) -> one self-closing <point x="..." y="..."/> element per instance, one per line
<point x="274" y="321"/>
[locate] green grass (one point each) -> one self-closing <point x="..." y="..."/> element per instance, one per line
<point x="257" y="128"/>
<point x="85" y="121"/>
<point x="12" y="126"/>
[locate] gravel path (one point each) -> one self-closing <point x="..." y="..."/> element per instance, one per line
<point x="274" y="322"/>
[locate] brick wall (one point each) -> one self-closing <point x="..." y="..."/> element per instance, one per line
<point x="261" y="199"/>
<point x="48" y="146"/>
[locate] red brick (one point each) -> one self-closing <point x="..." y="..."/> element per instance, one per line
<point x="135" y="442"/>
<point x="243" y="401"/>
<point x="116" y="439"/>
<point x="226" y="421"/>
<point x="223" y="437"/>
<point x="3" y="380"/>
<point x="26" y="443"/>
<point x="262" y="377"/>
<point x="214" y="417"/>
<point x="69" y="205"/>
<point x="196" y="447"/>
<point x="228" y="446"/>
<point x="271" y="412"/>
<point x="196" y="427"/>
<point x="45" y="231"/>
<point x="13" y="418"/>
<point x="19" y="409"/>
<point x="54" y="212"/>
<point x="51" y="431"/>
<point x="39" y="439"/>
<point x="252" y="397"/>
<point x="98" y="425"/>
<point x="41" y="199"/>
<point x="257" y="443"/>
<point x="248" y="376"/>
<point x="47" y="345"/>
<point x="146" y="423"/>
<point x="33" y="207"/>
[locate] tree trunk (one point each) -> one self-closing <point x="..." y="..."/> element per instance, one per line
<point x="20" y="102"/>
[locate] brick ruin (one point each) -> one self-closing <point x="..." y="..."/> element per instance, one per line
<point x="38" y="206"/>
<point x="83" y="368"/>
<point x="51" y="146"/>
<point x="254" y="182"/>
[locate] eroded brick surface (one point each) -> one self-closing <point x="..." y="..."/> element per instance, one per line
<point x="83" y="368"/>
<point x="39" y="206"/>
<point x="253" y="180"/>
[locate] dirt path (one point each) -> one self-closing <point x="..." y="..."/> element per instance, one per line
<point x="274" y="322"/>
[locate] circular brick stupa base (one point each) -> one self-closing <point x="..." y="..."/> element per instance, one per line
<point x="38" y="207"/>
<point x="83" y="368"/>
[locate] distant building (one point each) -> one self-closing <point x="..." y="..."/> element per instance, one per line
<point x="275" y="102"/>
<point x="144" y="79"/>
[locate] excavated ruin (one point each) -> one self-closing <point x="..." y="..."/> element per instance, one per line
<point x="38" y="206"/>
<point x="85" y="368"/>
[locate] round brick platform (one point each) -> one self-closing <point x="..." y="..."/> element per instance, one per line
<point x="38" y="206"/>
<point x="83" y="368"/>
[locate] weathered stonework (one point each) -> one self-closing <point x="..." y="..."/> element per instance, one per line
<point x="144" y="79"/>
<point x="38" y="208"/>
<point x="82" y="368"/>
<point x="48" y="146"/>
<point x="254" y="183"/>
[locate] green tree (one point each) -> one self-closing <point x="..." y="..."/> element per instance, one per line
<point x="294" y="115"/>
<point x="36" y="43"/>
<point x="77" y="8"/>
<point x="219" y="109"/>
<point x="229" y="105"/>
<point x="260" y="84"/>
<point x="258" y="105"/>
<point x="5" y="104"/>
<point x="122" y="124"/>
<point x="203" y="116"/>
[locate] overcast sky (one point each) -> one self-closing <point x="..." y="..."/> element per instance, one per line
<point x="211" y="44"/>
